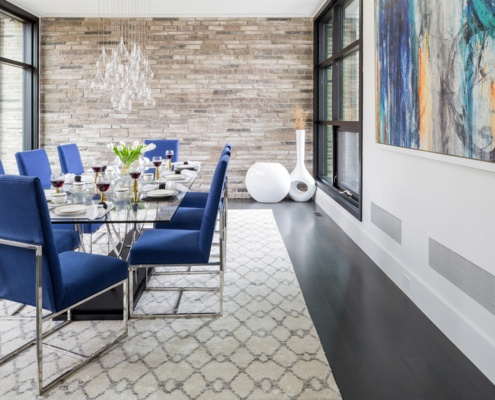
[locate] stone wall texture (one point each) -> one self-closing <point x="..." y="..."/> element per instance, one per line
<point x="216" y="80"/>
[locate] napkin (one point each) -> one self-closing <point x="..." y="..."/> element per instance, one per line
<point x="93" y="211"/>
<point x="69" y="178"/>
<point x="181" y="188"/>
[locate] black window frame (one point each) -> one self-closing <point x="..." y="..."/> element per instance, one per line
<point x="30" y="123"/>
<point x="333" y="9"/>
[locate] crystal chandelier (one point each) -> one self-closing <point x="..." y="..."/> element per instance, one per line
<point x="124" y="75"/>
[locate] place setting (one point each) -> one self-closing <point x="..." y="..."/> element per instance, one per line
<point x="186" y="165"/>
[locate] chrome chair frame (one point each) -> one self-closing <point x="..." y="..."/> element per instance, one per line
<point x="175" y="314"/>
<point x="38" y="340"/>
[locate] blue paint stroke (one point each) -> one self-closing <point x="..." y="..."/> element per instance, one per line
<point x="397" y="57"/>
<point x="478" y="23"/>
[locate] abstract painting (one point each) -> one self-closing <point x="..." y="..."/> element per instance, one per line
<point x="435" y="79"/>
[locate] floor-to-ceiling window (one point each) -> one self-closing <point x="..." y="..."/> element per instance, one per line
<point x="19" y="99"/>
<point x="338" y="102"/>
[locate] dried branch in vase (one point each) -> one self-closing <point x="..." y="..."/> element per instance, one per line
<point x="300" y="117"/>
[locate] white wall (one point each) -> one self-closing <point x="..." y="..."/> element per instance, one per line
<point x="449" y="199"/>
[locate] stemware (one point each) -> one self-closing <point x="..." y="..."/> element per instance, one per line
<point x="97" y="167"/>
<point x="169" y="154"/>
<point x="104" y="165"/>
<point x="103" y="185"/>
<point x="135" y="172"/>
<point x="157" y="162"/>
<point x="57" y="181"/>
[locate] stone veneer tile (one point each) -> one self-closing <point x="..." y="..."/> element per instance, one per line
<point x="217" y="80"/>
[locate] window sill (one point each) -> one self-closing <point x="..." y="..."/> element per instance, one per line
<point x="341" y="199"/>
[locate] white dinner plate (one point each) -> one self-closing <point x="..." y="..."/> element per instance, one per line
<point x="159" y="193"/>
<point x="151" y="186"/>
<point x="70" y="209"/>
<point x="174" y="177"/>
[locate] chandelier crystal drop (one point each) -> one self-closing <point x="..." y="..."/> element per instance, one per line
<point x="125" y="76"/>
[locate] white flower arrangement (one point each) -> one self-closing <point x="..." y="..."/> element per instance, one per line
<point x="128" y="153"/>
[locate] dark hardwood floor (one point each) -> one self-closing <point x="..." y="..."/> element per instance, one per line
<point x="378" y="343"/>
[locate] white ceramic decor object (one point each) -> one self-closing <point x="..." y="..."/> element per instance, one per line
<point x="300" y="178"/>
<point x="267" y="182"/>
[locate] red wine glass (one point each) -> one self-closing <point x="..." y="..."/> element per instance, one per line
<point x="157" y="162"/>
<point x="169" y="154"/>
<point x="57" y="181"/>
<point x="97" y="167"/>
<point x="103" y="185"/>
<point x="135" y="172"/>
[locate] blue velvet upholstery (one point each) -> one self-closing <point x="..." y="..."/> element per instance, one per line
<point x="70" y="162"/>
<point x="190" y="216"/>
<point x="70" y="159"/>
<point x="85" y="274"/>
<point x="66" y="239"/>
<point x="179" y="246"/>
<point x="184" y="218"/>
<point x="35" y="163"/>
<point x="194" y="200"/>
<point x="66" y="278"/>
<point x="2" y="171"/>
<point x="198" y="199"/>
<point x="161" y="146"/>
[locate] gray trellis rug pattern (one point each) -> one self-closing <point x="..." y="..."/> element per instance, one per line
<point x="264" y="346"/>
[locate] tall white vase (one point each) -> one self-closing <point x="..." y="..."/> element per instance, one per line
<point x="302" y="186"/>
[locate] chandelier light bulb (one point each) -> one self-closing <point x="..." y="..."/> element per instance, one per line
<point x="124" y="76"/>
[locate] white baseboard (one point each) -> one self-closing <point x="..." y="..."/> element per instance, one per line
<point x="475" y="344"/>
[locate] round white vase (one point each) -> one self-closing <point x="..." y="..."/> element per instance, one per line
<point x="267" y="182"/>
<point x="302" y="186"/>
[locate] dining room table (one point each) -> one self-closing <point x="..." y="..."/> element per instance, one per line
<point x="123" y="218"/>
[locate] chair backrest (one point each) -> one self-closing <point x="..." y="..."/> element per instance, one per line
<point x="2" y="171"/>
<point x="161" y="146"/>
<point x="212" y="206"/>
<point x="25" y="218"/>
<point x="70" y="159"/>
<point x="35" y="163"/>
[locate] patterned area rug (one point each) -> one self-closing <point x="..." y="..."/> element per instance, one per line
<point x="264" y="347"/>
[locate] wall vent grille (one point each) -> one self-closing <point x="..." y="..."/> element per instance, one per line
<point x="468" y="277"/>
<point x="387" y="222"/>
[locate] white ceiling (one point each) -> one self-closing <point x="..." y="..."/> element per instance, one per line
<point x="179" y="8"/>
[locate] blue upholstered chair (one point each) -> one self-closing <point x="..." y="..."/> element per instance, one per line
<point x="33" y="273"/>
<point x="36" y="163"/>
<point x="161" y="146"/>
<point x="190" y="217"/>
<point x="70" y="159"/>
<point x="173" y="247"/>
<point x="2" y="171"/>
<point x="198" y="199"/>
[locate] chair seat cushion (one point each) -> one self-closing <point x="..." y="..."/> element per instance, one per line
<point x="167" y="247"/>
<point x="65" y="239"/>
<point x="90" y="228"/>
<point x="184" y="218"/>
<point x="85" y="274"/>
<point x="194" y="200"/>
